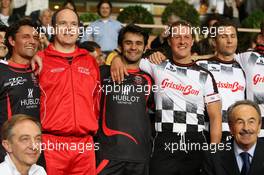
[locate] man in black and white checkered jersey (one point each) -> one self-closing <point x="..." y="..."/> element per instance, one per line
<point x="185" y="91"/>
<point x="228" y="74"/>
<point x="253" y="66"/>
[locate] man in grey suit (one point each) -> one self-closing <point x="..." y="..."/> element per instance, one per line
<point x="246" y="156"/>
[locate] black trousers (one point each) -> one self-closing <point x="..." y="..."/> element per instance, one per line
<point x="117" y="167"/>
<point x="176" y="154"/>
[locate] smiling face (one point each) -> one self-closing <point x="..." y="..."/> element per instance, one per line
<point x="25" y="138"/>
<point x="133" y="47"/>
<point x="245" y="126"/>
<point x="25" y="43"/>
<point x="67" y="28"/>
<point x="105" y="10"/>
<point x="45" y="18"/>
<point x="181" y="42"/>
<point x="5" y="3"/>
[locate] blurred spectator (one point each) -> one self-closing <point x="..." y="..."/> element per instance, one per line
<point x="260" y="40"/>
<point x="43" y="41"/>
<point x="105" y="30"/>
<point x="95" y="51"/>
<point x="205" y="46"/>
<point x="19" y="9"/>
<point x="21" y="138"/>
<point x="203" y="7"/>
<point x="46" y="27"/>
<point x="252" y="5"/>
<point x="6" y="11"/>
<point x="45" y="17"/>
<point x="69" y="4"/>
<point x="162" y="38"/>
<point x="226" y="8"/>
<point x="262" y="31"/>
<point x="3" y="48"/>
<point x="35" y="6"/>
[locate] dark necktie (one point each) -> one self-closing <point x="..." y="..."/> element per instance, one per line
<point x="246" y="163"/>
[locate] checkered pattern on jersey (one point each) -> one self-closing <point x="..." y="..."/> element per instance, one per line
<point x="253" y="64"/>
<point x="176" y="114"/>
<point x="212" y="65"/>
<point x="168" y="119"/>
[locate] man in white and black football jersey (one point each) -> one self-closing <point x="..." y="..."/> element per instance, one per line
<point x="252" y="63"/>
<point x="186" y="92"/>
<point x="228" y="74"/>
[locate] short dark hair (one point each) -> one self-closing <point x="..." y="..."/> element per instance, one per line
<point x="132" y="28"/>
<point x="101" y="3"/>
<point x="14" y="28"/>
<point x="242" y="102"/>
<point x="69" y="2"/>
<point x="180" y="23"/>
<point x="211" y="17"/>
<point x="89" y="45"/>
<point x="224" y="23"/>
<point x="3" y="28"/>
<point x="54" y="16"/>
<point x="6" y="131"/>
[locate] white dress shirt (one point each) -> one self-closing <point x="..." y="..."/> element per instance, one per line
<point x="8" y="168"/>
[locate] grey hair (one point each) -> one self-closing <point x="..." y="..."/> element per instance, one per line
<point x="242" y="102"/>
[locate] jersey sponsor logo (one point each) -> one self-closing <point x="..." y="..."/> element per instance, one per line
<point x="125" y="90"/>
<point x="213" y="68"/>
<point x="234" y="87"/>
<point x="59" y="69"/>
<point x="258" y="79"/>
<point x="15" y="81"/>
<point x="138" y="80"/>
<point x="30" y="101"/>
<point x="30" y="93"/>
<point x="84" y="70"/>
<point x="185" y="89"/>
<point x="260" y="62"/>
<point x="171" y="68"/>
<point x="125" y="99"/>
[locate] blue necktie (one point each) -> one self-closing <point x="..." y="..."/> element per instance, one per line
<point x="246" y="163"/>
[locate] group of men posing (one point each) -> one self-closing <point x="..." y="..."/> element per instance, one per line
<point x="72" y="100"/>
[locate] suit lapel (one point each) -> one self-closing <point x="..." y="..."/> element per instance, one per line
<point x="229" y="162"/>
<point x="257" y="164"/>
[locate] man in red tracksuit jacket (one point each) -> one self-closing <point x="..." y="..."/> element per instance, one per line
<point x="69" y="102"/>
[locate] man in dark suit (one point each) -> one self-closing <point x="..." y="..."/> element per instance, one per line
<point x="246" y="154"/>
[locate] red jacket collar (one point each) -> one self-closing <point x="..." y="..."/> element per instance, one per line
<point x="50" y="51"/>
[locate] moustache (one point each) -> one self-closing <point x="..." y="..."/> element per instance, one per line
<point x="246" y="132"/>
